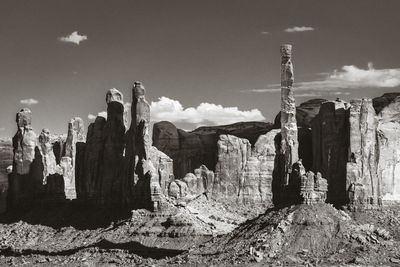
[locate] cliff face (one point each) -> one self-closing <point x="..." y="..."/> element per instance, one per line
<point x="189" y="150"/>
<point x="388" y="145"/>
<point x="244" y="173"/>
<point x="6" y="159"/>
<point x="305" y="112"/>
<point x="362" y="179"/>
<point x="330" y="143"/>
<point x="358" y="151"/>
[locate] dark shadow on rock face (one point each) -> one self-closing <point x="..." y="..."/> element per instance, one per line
<point x="277" y="172"/>
<point x="131" y="247"/>
<point x="58" y="215"/>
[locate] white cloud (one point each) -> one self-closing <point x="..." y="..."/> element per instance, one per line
<point x="264" y="32"/>
<point x="92" y="117"/>
<point x="74" y="38"/>
<point x="299" y="29"/>
<point x="349" y="77"/>
<point x="204" y="114"/>
<point x="102" y="114"/>
<point x="29" y="101"/>
<point x="265" y="90"/>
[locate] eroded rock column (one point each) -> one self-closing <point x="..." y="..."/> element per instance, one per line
<point x="362" y="178"/>
<point x="114" y="138"/>
<point x="289" y="142"/>
<point x="24" y="143"/>
<point x="76" y="136"/>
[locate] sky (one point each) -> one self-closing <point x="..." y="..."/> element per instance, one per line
<point x="202" y="62"/>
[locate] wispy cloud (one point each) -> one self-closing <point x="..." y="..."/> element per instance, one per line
<point x="74" y="38"/>
<point x="321" y="94"/>
<point x="299" y="29"/>
<point x="348" y="77"/>
<point x="204" y="114"/>
<point x="264" y="33"/>
<point x="29" y="101"/>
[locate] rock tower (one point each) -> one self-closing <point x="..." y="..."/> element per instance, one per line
<point x="289" y="141"/>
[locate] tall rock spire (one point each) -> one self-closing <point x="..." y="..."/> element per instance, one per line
<point x="289" y="143"/>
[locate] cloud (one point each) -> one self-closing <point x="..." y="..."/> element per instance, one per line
<point x="320" y="94"/>
<point x="92" y="117"/>
<point x="2" y="129"/>
<point x="204" y="114"/>
<point x="29" y="101"/>
<point x="264" y="33"/>
<point x="265" y="90"/>
<point x="348" y="77"/>
<point x="299" y="29"/>
<point x="74" y="38"/>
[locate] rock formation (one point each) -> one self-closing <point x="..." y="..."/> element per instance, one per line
<point x="24" y="143"/>
<point x="305" y="112"/>
<point x="244" y="173"/>
<point x="113" y="138"/>
<point x="21" y="185"/>
<point x="6" y="161"/>
<point x="289" y="141"/>
<point x="388" y="154"/>
<point x="75" y="140"/>
<point x="330" y="135"/>
<point x="48" y="157"/>
<point x="189" y="150"/>
<point x="384" y="100"/>
<point x="91" y="179"/>
<point x="362" y="176"/>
